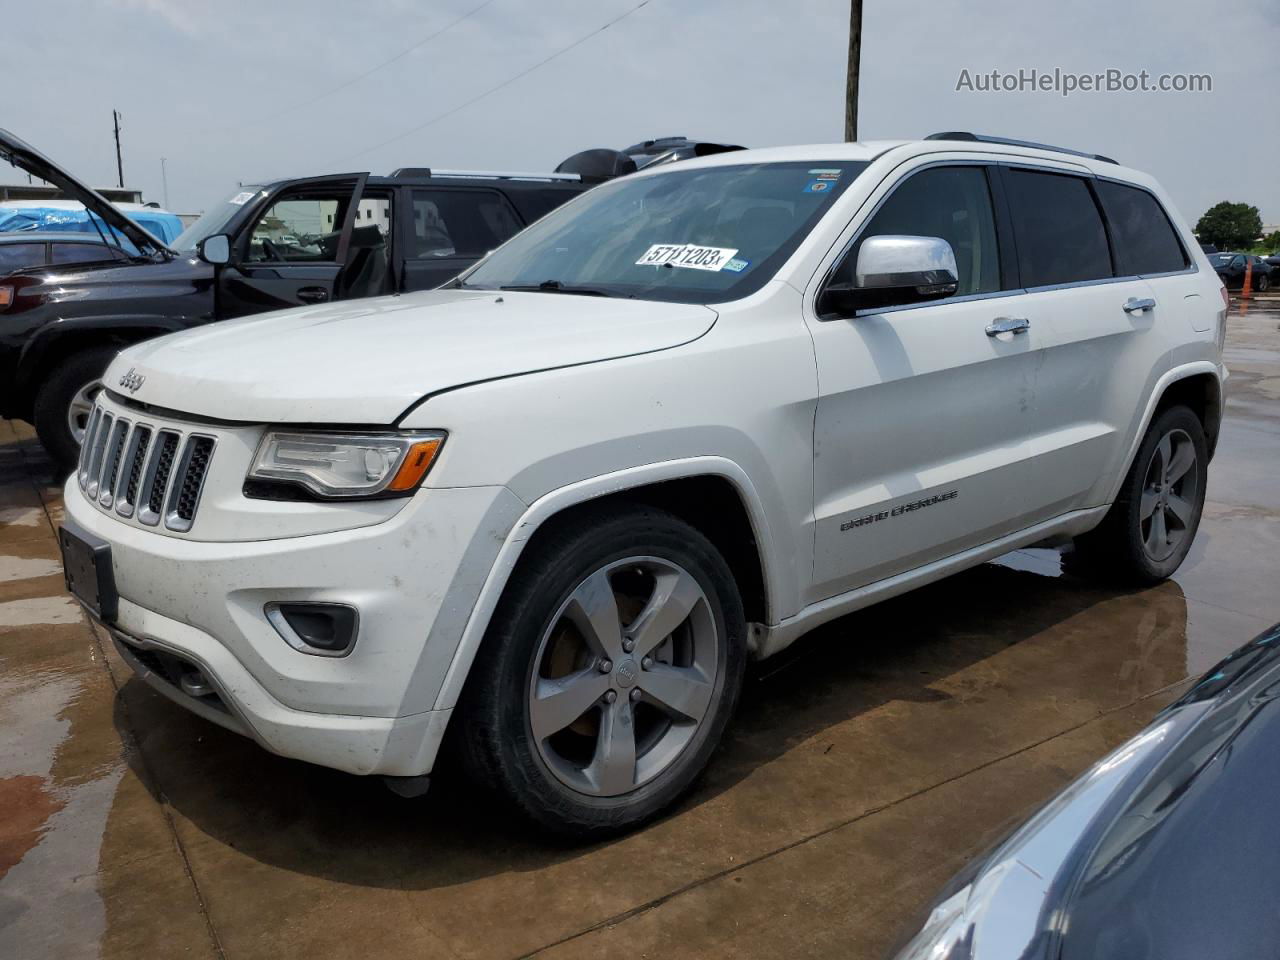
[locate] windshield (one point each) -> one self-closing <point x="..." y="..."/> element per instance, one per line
<point x="687" y="235"/>
<point x="215" y="219"/>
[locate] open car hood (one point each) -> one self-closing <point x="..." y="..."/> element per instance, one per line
<point x="26" y="157"/>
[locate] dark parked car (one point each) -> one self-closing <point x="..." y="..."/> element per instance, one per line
<point x="287" y="243"/>
<point x="1231" y="268"/>
<point x="1165" y="850"/>
<point x="292" y="242"/>
<point x="21" y="250"/>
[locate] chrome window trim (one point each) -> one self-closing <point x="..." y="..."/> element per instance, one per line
<point x="967" y="298"/>
<point x="1003" y="161"/>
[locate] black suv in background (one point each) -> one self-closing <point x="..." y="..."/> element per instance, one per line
<point x="292" y="242"/>
<point x="280" y="244"/>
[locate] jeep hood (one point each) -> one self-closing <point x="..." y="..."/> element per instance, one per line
<point x="368" y="361"/>
<point x="28" y="158"/>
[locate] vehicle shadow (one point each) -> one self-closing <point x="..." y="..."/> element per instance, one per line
<point x="1090" y="641"/>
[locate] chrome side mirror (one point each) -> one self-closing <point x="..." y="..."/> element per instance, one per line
<point x="892" y="271"/>
<point x="215" y="249"/>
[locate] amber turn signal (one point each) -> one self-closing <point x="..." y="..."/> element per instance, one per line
<point x="6" y="297"/>
<point x="416" y="464"/>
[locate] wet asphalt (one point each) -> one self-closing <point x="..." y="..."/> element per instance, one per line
<point x="868" y="763"/>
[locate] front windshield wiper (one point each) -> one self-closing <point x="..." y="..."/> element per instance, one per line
<point x="555" y="286"/>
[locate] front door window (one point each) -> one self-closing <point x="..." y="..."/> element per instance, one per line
<point x="299" y="229"/>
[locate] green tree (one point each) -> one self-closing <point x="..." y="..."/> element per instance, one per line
<point x="1229" y="225"/>
<point x="1271" y="242"/>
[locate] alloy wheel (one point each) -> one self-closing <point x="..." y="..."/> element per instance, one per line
<point x="623" y="676"/>
<point x="80" y="407"/>
<point x="1169" y="495"/>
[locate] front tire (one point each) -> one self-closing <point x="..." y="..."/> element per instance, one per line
<point x="1148" y="531"/>
<point x="1263" y="284"/>
<point x="609" y="672"/>
<point x="64" y="400"/>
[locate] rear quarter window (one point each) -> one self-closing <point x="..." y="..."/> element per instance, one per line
<point x="1058" y="227"/>
<point x="16" y="256"/>
<point x="1145" y="241"/>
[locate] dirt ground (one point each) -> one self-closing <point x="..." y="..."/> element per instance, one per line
<point x="867" y="764"/>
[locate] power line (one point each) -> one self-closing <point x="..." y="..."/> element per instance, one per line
<point x="492" y="90"/>
<point x="374" y="69"/>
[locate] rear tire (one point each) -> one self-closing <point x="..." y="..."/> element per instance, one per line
<point x="611" y="611"/>
<point x="1263" y="284"/>
<point x="1148" y="531"/>
<point x="60" y="398"/>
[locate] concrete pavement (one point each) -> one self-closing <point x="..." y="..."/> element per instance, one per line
<point x="867" y="764"/>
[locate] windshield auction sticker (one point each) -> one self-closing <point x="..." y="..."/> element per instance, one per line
<point x="690" y="256"/>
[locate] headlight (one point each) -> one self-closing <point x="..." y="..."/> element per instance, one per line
<point x="347" y="464"/>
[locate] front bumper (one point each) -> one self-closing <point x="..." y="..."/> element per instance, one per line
<point x="413" y="577"/>
<point x="400" y="746"/>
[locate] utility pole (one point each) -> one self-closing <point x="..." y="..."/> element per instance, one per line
<point x="115" y="116"/>
<point x="851" y="79"/>
<point x="164" y="179"/>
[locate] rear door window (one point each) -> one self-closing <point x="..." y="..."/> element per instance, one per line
<point x="460" y="223"/>
<point x="80" y="253"/>
<point x="1145" y="241"/>
<point x="15" y="256"/>
<point x="1059" y="230"/>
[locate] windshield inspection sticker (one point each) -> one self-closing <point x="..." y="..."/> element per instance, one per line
<point x="737" y="265"/>
<point x="240" y="199"/>
<point x="690" y="256"/>
<point x="817" y="186"/>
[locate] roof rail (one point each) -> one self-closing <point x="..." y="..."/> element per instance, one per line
<point x="983" y="138"/>
<point x="481" y="174"/>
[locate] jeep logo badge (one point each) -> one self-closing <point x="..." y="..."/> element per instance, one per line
<point x="626" y="673"/>
<point x="132" y="381"/>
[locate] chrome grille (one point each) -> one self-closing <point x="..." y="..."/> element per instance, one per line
<point x="186" y="491"/>
<point x="111" y="463"/>
<point x="157" y="472"/>
<point x="95" y="454"/>
<point x="136" y="459"/>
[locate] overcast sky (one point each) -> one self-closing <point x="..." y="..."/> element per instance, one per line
<point x="240" y="91"/>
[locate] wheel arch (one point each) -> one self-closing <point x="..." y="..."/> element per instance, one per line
<point x="62" y="338"/>
<point x="713" y="494"/>
<point x="1198" y="385"/>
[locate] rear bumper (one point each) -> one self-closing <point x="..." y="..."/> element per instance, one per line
<point x="399" y="746"/>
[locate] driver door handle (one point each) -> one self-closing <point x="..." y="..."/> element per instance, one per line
<point x="313" y="294"/>
<point x="1138" y="304"/>
<point x="1008" y="325"/>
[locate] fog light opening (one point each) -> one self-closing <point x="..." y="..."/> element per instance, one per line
<point x="317" y="628"/>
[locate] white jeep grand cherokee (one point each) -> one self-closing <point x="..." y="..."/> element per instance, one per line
<point x="553" y="509"/>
